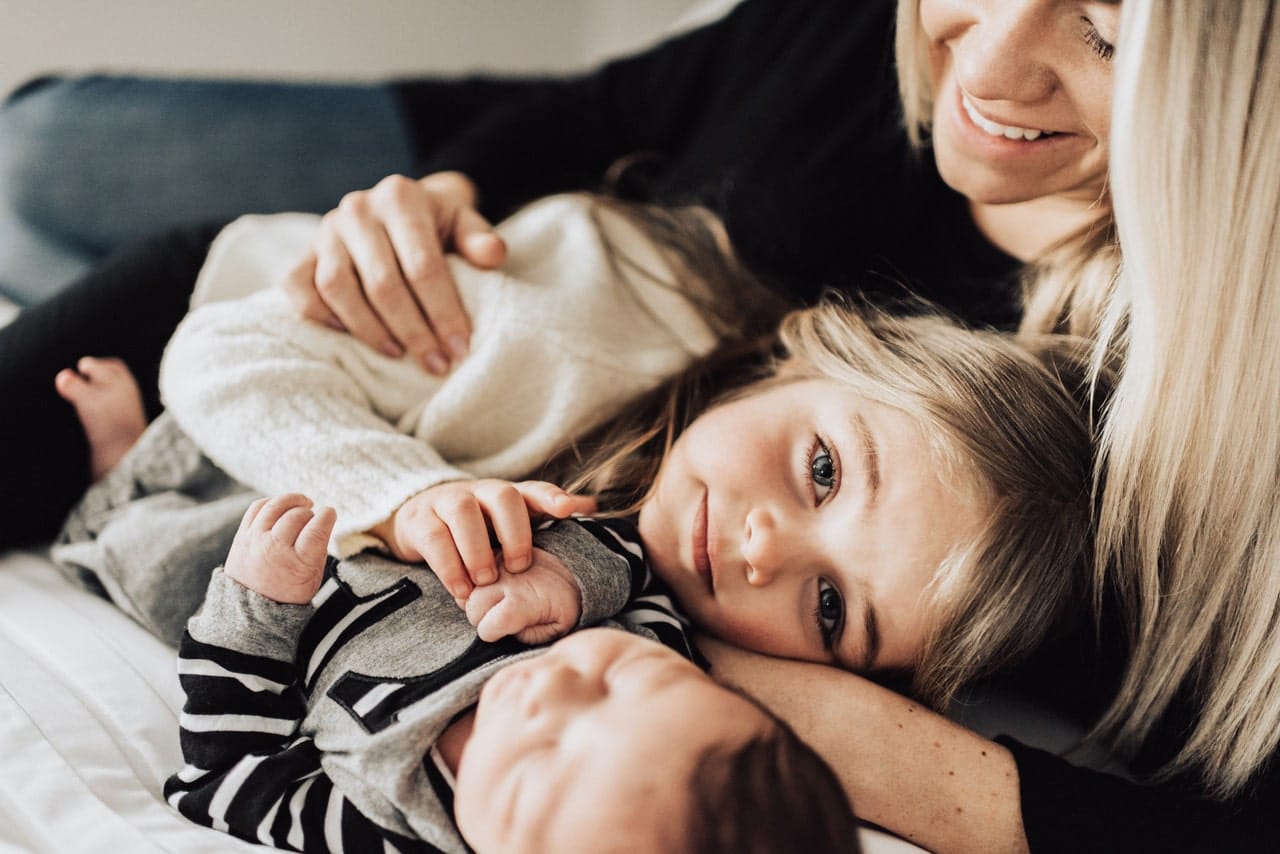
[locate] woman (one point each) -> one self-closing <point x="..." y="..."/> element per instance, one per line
<point x="802" y="155"/>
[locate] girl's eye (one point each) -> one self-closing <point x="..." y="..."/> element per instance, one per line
<point x="822" y="471"/>
<point x="1103" y="48"/>
<point x="830" y="612"/>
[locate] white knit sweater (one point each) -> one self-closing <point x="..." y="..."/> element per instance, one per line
<point x="561" y="337"/>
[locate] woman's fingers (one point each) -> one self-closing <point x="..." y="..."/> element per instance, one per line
<point x="476" y="240"/>
<point x="340" y="288"/>
<point x="419" y="227"/>
<point x="397" y="260"/>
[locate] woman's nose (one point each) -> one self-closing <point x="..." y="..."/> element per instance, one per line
<point x="1002" y="56"/>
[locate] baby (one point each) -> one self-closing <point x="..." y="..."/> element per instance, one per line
<point x="364" y="712"/>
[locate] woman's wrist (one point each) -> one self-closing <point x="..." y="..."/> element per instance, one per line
<point x="904" y="767"/>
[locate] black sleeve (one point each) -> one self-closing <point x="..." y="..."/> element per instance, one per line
<point x="762" y="90"/>
<point x="548" y="135"/>
<point x="126" y="307"/>
<point x="1067" y="808"/>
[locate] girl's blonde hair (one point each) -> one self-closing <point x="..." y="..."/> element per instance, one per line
<point x="1189" y="478"/>
<point x="1002" y="415"/>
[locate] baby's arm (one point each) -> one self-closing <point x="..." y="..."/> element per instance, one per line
<point x="249" y="770"/>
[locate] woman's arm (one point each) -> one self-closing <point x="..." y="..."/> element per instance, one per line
<point x="904" y="767"/>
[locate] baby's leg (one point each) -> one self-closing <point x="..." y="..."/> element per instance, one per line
<point x="109" y="404"/>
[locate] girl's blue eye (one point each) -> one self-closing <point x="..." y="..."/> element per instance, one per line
<point x="822" y="471"/>
<point x="829" y="613"/>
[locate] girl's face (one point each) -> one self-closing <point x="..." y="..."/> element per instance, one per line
<point x="806" y="521"/>
<point x="596" y="739"/>
<point x="1022" y="96"/>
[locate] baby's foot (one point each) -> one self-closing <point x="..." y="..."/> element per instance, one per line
<point x="107" y="400"/>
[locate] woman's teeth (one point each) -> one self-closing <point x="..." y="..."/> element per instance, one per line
<point x="995" y="129"/>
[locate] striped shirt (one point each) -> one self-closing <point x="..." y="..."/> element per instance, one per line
<point x="312" y="728"/>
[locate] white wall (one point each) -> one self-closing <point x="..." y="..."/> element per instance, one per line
<point x="320" y="38"/>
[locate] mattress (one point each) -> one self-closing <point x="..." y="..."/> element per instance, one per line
<point x="89" y="706"/>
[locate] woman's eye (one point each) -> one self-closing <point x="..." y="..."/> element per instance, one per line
<point x="1103" y="48"/>
<point x="822" y="471"/>
<point x="829" y="613"/>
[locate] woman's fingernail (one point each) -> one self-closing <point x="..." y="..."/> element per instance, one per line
<point x="458" y="346"/>
<point x="392" y="349"/>
<point x="434" y="363"/>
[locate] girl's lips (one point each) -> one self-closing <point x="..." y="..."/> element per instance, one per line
<point x="701" y="559"/>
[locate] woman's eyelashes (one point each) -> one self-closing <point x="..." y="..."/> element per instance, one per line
<point x="829" y="613"/>
<point x="1103" y="48"/>
<point x="822" y="472"/>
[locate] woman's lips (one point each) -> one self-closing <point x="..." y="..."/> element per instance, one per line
<point x="996" y="144"/>
<point x="701" y="558"/>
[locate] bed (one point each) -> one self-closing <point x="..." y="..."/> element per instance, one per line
<point x="89" y="706"/>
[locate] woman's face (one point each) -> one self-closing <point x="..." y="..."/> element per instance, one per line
<point x="1022" y="96"/>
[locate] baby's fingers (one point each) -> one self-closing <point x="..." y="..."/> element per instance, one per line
<point x="313" y="541"/>
<point x="503" y="619"/>
<point x="275" y="509"/>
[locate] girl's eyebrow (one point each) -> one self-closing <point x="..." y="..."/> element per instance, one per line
<point x="870" y="628"/>
<point x="872" y="625"/>
<point x="870" y="457"/>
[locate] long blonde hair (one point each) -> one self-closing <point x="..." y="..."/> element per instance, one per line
<point x="1189" y="521"/>
<point x="1002" y="414"/>
<point x="1188" y="487"/>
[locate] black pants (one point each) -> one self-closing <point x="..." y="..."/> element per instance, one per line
<point x="127" y="307"/>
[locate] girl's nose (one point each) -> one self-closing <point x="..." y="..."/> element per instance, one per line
<point x="1002" y="55"/>
<point x="763" y="547"/>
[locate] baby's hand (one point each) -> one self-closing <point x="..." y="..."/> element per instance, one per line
<point x="448" y="526"/>
<point x="279" y="550"/>
<point x="537" y="605"/>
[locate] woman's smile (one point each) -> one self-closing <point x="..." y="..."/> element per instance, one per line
<point x="1042" y="149"/>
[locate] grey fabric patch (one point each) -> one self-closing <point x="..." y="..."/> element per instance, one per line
<point x="149" y="535"/>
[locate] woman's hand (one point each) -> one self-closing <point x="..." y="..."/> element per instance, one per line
<point x="378" y="267"/>
<point x="448" y="526"/>
<point x="280" y="547"/>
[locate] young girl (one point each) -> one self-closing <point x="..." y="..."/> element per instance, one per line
<point x="888" y="494"/>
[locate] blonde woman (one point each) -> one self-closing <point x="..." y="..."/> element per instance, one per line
<point x="783" y="117"/>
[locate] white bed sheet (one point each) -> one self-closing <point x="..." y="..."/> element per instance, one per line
<point x="89" y="706"/>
